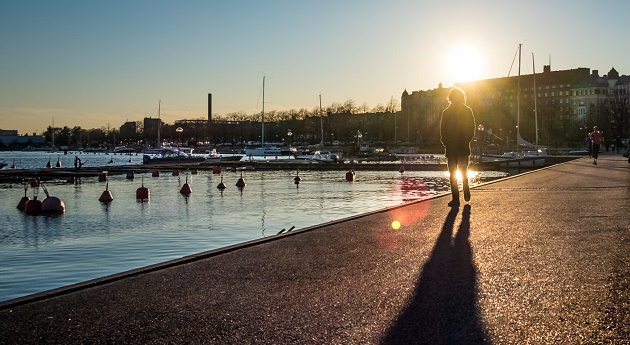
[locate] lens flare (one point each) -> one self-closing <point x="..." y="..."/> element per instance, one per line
<point x="395" y="225"/>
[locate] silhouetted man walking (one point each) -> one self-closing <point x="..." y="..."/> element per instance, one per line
<point x="457" y="129"/>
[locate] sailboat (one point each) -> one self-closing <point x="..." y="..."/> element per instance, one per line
<point x="268" y="149"/>
<point x="535" y="155"/>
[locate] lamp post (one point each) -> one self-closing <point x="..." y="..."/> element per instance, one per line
<point x="179" y="131"/>
<point x="480" y="140"/>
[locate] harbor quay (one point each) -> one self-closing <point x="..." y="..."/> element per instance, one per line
<point x="536" y="258"/>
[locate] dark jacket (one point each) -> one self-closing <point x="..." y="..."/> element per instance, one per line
<point x="457" y="129"/>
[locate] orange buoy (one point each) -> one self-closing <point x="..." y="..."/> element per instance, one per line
<point x="350" y="175"/>
<point x="142" y="193"/>
<point x="241" y="182"/>
<point x="186" y="189"/>
<point x="216" y="169"/>
<point x="221" y="185"/>
<point x="33" y="207"/>
<point x="53" y="204"/>
<point x="24" y="199"/>
<point x="107" y="195"/>
<point x="102" y="177"/>
<point x="155" y="173"/>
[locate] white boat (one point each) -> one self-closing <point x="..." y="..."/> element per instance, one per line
<point x="320" y="156"/>
<point x="162" y="155"/>
<point x="214" y="156"/>
<point x="534" y="155"/>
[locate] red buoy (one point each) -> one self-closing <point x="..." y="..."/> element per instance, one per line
<point x="22" y="204"/>
<point x="221" y="185"/>
<point x="142" y="193"/>
<point x="216" y="169"/>
<point x="350" y="175"/>
<point x="33" y="207"/>
<point x="155" y="173"/>
<point x="102" y="177"/>
<point x="241" y="182"/>
<point x="107" y="195"/>
<point x="176" y="172"/>
<point x="186" y="189"/>
<point x="53" y="204"/>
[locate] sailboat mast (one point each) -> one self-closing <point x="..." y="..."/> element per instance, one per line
<point x="263" y="115"/>
<point x="159" y="143"/>
<point x="518" y="99"/>
<point x="321" y="119"/>
<point x="535" y="107"/>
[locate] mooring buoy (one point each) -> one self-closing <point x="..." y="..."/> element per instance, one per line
<point x="221" y="185"/>
<point x="297" y="178"/>
<point x="24" y="199"/>
<point x="143" y="192"/>
<point x="350" y="175"/>
<point x="241" y="182"/>
<point x="186" y="190"/>
<point x="107" y="195"/>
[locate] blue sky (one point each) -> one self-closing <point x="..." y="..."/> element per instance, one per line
<point x="100" y="63"/>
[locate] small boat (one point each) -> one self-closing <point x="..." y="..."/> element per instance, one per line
<point x="167" y="155"/>
<point x="2" y="165"/>
<point x="214" y="156"/>
<point x="320" y="156"/>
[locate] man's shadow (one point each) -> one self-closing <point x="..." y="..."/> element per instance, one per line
<point x="443" y="308"/>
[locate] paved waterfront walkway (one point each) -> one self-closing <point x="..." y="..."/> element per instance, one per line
<point x="540" y="258"/>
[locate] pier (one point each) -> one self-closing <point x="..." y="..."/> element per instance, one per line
<point x="536" y="258"/>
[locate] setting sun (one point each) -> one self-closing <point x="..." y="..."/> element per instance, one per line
<point x="464" y="63"/>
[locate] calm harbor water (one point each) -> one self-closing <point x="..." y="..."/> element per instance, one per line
<point x="92" y="239"/>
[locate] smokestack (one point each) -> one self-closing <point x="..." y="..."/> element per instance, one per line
<point x="209" y="107"/>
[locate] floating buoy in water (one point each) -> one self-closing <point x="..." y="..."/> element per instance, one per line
<point x="107" y="195"/>
<point x="241" y="182"/>
<point x="175" y="172"/>
<point x="186" y="189"/>
<point x="216" y="169"/>
<point x="58" y="165"/>
<point x="102" y="177"/>
<point x="130" y="175"/>
<point x="221" y="185"/>
<point x="142" y="193"/>
<point x="33" y="207"/>
<point x="155" y="173"/>
<point x="70" y="180"/>
<point x="297" y="178"/>
<point x="48" y="165"/>
<point x="24" y="199"/>
<point x="401" y="169"/>
<point x="34" y="182"/>
<point x="53" y="204"/>
<point x="350" y="175"/>
<point x="193" y="172"/>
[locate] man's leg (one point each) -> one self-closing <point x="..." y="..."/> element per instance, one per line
<point x="452" y="170"/>
<point x="463" y="167"/>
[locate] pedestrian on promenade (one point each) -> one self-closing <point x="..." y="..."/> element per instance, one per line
<point x="597" y="138"/>
<point x="618" y="144"/>
<point x="589" y="145"/>
<point x="457" y="129"/>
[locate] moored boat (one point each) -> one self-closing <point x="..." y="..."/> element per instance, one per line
<point x="164" y="155"/>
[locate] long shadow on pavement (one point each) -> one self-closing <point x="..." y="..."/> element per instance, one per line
<point x="443" y="309"/>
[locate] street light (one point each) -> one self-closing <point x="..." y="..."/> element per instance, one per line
<point x="179" y="131"/>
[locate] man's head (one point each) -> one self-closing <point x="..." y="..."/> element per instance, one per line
<point x="456" y="95"/>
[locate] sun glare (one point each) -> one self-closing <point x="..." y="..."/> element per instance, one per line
<point x="464" y="63"/>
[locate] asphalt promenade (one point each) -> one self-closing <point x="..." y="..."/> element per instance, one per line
<point x="539" y="258"/>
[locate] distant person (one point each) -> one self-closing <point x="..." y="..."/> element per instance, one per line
<point x="457" y="129"/>
<point x="618" y="144"/>
<point x="589" y="145"/>
<point x="597" y="138"/>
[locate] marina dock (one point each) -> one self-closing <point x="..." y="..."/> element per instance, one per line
<point x="536" y="258"/>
